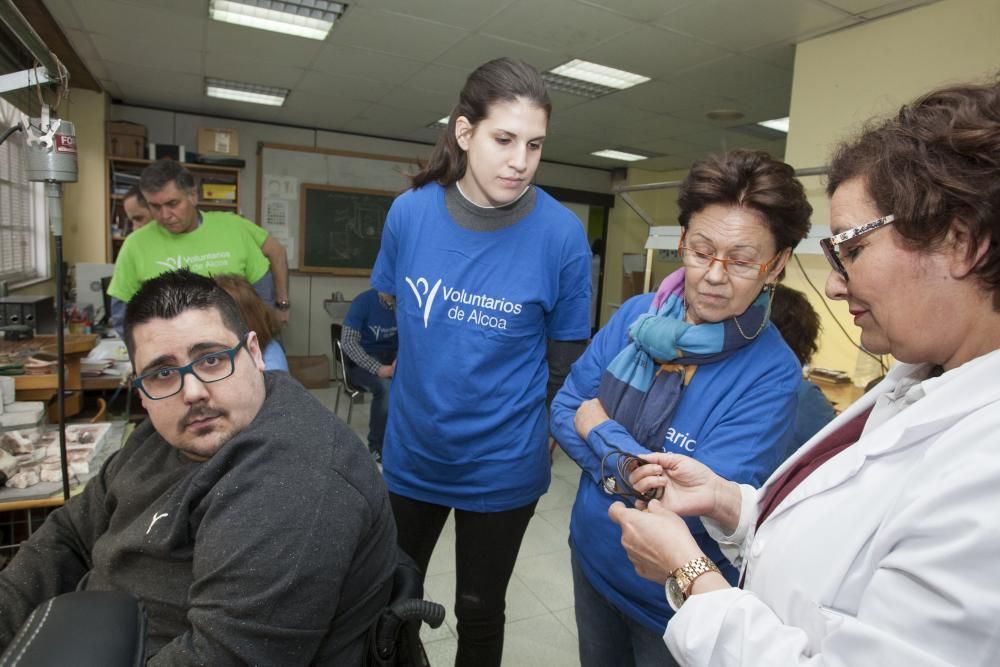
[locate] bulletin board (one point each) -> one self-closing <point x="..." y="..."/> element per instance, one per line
<point x="327" y="206"/>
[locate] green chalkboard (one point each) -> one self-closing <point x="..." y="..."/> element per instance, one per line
<point x="340" y="229"/>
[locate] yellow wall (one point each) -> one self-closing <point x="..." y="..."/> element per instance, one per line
<point x="85" y="204"/>
<point x="845" y="78"/>
<point x="627" y="232"/>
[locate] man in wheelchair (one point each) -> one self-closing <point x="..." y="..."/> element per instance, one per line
<point x="249" y="521"/>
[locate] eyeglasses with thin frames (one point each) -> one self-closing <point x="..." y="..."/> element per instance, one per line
<point x="167" y="381"/>
<point x="831" y="245"/>
<point x="734" y="267"/>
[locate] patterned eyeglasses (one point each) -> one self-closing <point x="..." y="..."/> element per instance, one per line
<point x="831" y="245"/>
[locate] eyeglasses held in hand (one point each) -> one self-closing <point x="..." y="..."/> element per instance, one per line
<point x="165" y="382"/>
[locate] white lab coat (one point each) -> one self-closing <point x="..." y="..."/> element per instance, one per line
<point x="888" y="554"/>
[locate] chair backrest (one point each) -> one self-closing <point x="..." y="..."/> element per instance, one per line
<point x="343" y="361"/>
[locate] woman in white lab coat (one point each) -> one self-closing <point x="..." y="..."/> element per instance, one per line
<point x="878" y="542"/>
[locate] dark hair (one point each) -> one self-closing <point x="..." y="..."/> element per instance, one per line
<point x="135" y="193"/>
<point x="935" y="162"/>
<point x="500" y="80"/>
<point x="170" y="294"/>
<point x="797" y="321"/>
<point x="753" y="180"/>
<point x="259" y="317"/>
<point x="156" y="176"/>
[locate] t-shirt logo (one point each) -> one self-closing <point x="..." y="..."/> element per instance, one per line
<point x="172" y="263"/>
<point x="423" y="289"/>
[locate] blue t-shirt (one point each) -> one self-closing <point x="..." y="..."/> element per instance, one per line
<point x="376" y="323"/>
<point x="274" y="357"/>
<point x="467" y="425"/>
<point x="736" y="416"/>
<point x="814" y="412"/>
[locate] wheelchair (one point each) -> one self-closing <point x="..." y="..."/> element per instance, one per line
<point x="73" y="628"/>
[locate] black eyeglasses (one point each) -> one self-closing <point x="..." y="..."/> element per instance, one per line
<point x="830" y="245"/>
<point x="165" y="382"/>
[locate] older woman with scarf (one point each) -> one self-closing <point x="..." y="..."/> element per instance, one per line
<point x="877" y="542"/>
<point x="694" y="369"/>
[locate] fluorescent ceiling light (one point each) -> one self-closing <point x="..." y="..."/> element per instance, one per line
<point x="619" y="155"/>
<point x="590" y="79"/>
<point x="779" y="124"/>
<point x="442" y="121"/>
<point x="312" y="19"/>
<point x="245" y="92"/>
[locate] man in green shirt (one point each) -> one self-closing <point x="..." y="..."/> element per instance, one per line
<point x="205" y="242"/>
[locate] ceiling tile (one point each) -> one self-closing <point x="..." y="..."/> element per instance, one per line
<point x="477" y="49"/>
<point x="396" y="34"/>
<point x="653" y="52"/>
<point x="747" y="24"/>
<point x="260" y="45"/>
<point x="136" y="51"/>
<point x="319" y="110"/>
<point x="348" y="87"/>
<point x="639" y="10"/>
<point x="374" y="65"/>
<point x="869" y="8"/>
<point x="440" y="78"/>
<point x="461" y="13"/>
<point x="660" y="97"/>
<point x="418" y="99"/>
<point x="142" y="23"/>
<point x="65" y="14"/>
<point x="234" y="68"/>
<point x="560" y="25"/>
<point x="732" y="77"/>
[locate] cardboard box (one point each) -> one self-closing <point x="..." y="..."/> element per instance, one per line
<point x="632" y="284"/>
<point x="313" y="372"/>
<point x="218" y="191"/>
<point x="125" y="139"/>
<point x="218" y="141"/>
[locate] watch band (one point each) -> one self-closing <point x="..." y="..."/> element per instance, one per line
<point x="282" y="305"/>
<point x="691" y="570"/>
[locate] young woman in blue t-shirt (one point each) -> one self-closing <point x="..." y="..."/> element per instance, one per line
<point x="490" y="275"/>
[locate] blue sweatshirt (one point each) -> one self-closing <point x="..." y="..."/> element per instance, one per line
<point x="736" y="416"/>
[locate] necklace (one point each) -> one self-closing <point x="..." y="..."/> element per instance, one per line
<point x="763" y="322"/>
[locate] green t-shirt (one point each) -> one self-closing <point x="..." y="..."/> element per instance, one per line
<point x="223" y="243"/>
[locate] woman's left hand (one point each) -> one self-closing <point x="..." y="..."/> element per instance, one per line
<point x="657" y="540"/>
<point x="588" y="416"/>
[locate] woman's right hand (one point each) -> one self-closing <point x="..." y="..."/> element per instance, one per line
<point x="686" y="486"/>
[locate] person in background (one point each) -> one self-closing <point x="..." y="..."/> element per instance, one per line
<point x="877" y="542"/>
<point x="597" y="252"/>
<point x="206" y="242"/>
<point x="369" y="340"/>
<point x="798" y="323"/>
<point x="259" y="317"/>
<point x="135" y="208"/>
<point x="491" y="277"/>
<point x="246" y="517"/>
<point x="695" y="369"/>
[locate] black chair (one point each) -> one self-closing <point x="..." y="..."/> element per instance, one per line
<point x="394" y="640"/>
<point x="108" y="628"/>
<point x="343" y="364"/>
<point x="84" y="629"/>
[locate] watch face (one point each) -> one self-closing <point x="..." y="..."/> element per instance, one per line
<point x="675" y="596"/>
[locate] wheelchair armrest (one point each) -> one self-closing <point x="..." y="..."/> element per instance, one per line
<point x="85" y="629"/>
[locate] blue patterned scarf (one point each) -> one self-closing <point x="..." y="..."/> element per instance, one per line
<point x="641" y="387"/>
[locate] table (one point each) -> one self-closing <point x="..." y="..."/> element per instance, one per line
<point x="841" y="394"/>
<point x="45" y="387"/>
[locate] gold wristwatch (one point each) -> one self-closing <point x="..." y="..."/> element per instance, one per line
<point x="680" y="581"/>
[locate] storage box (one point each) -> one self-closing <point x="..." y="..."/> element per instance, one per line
<point x="125" y="139"/>
<point x="313" y="372"/>
<point x="218" y="141"/>
<point x="218" y="191"/>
